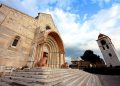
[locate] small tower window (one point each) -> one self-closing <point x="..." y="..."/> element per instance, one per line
<point x="48" y="28"/>
<point x="15" y="42"/>
<point x="110" y="54"/>
<point x="103" y="47"/>
<point x="103" y="42"/>
<point x="107" y="46"/>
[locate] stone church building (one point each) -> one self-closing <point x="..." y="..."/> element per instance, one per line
<point x="25" y="40"/>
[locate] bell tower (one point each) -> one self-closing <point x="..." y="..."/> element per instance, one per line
<point x="108" y="50"/>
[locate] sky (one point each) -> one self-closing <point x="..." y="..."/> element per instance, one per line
<point x="78" y="21"/>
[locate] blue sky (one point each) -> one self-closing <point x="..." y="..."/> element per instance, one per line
<point x="78" y="21"/>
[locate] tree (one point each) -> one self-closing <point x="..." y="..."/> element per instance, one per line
<point x="90" y="56"/>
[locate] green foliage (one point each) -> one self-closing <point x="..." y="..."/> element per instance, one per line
<point x="90" y="56"/>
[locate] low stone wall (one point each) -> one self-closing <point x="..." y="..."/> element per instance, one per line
<point x="103" y="71"/>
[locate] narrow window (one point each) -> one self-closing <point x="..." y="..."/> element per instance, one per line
<point x="48" y="27"/>
<point x="103" y="47"/>
<point x="110" y="54"/>
<point x="103" y="42"/>
<point x="107" y="46"/>
<point x="15" y="42"/>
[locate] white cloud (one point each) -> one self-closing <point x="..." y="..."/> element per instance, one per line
<point x="84" y="35"/>
<point x="67" y="24"/>
<point x="27" y="6"/>
<point x="85" y="17"/>
<point x="76" y="34"/>
<point x="73" y="33"/>
<point x="32" y="7"/>
<point x="68" y="59"/>
<point x="101" y="3"/>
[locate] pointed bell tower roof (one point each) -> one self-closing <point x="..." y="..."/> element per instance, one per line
<point x="102" y="36"/>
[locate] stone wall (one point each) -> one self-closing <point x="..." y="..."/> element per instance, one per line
<point x="31" y="32"/>
<point x="14" y="23"/>
<point x="44" y="20"/>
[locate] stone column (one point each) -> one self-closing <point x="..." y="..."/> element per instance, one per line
<point x="40" y="51"/>
<point x="49" y="59"/>
<point x="36" y="55"/>
<point x="32" y="55"/>
<point x="59" y="60"/>
<point x="55" y="54"/>
<point x="53" y="60"/>
<point x="62" y="58"/>
<point x="57" y="57"/>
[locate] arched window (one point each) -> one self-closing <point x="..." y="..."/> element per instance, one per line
<point x="107" y="46"/>
<point x="48" y="28"/>
<point x="103" y="42"/>
<point x="103" y="47"/>
<point x="110" y="54"/>
<point x="15" y="42"/>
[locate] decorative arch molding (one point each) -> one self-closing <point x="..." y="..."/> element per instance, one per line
<point x="53" y="45"/>
<point x="57" y="38"/>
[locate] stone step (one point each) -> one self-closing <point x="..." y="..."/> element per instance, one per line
<point x="42" y="70"/>
<point x="50" y="77"/>
<point x="27" y="78"/>
<point x="47" y="72"/>
<point x="30" y="76"/>
<point x="90" y="81"/>
<point x="33" y="73"/>
<point x="73" y="75"/>
<point x="83" y="82"/>
<point x="4" y="84"/>
<point x="68" y="76"/>
<point x="32" y="80"/>
<point x="9" y="82"/>
<point x="69" y="79"/>
<point x="50" y="70"/>
<point x="13" y="82"/>
<point x="39" y="76"/>
<point x="77" y="80"/>
<point x="60" y="83"/>
<point x="97" y="81"/>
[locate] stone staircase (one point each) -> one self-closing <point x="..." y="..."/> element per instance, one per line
<point x="49" y="77"/>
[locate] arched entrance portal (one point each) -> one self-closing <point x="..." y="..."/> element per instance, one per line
<point x="50" y="53"/>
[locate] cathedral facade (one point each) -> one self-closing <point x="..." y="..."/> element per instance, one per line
<point x="25" y="40"/>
